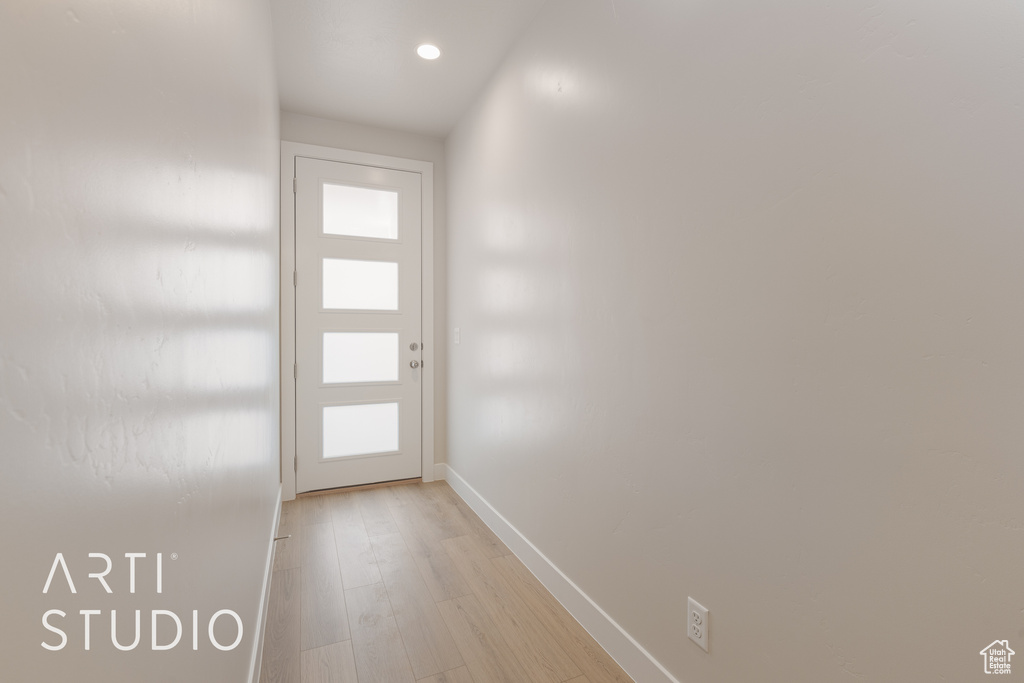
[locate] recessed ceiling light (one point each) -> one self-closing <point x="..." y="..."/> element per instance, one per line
<point x="428" y="51"/>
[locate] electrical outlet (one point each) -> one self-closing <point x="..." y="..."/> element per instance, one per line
<point x="458" y="335"/>
<point x="698" y="624"/>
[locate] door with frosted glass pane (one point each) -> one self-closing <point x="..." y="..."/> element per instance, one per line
<point x="358" y="346"/>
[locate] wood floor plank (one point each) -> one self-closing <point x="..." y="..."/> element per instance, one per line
<point x="333" y="663"/>
<point x="324" y="618"/>
<point x="355" y="555"/>
<point x="579" y="679"/>
<point x="428" y="644"/>
<point x="460" y="675"/>
<point x="376" y="641"/>
<point x="287" y="550"/>
<point x="315" y="509"/>
<point x="401" y="496"/>
<point x="450" y="504"/>
<point x="589" y="656"/>
<point x="443" y="580"/>
<point x="376" y="514"/>
<point x="441" y="511"/>
<point x="487" y="656"/>
<point x="281" y="638"/>
<point x="534" y="647"/>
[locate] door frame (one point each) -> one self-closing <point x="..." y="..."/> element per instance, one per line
<point x="289" y="151"/>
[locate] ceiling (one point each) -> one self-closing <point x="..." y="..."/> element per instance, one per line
<point x="355" y="60"/>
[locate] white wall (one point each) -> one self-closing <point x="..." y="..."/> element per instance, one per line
<point x="372" y="140"/>
<point x="138" y="328"/>
<point x="740" y="287"/>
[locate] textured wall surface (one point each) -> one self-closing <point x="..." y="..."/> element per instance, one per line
<point x="343" y="135"/>
<point x="739" y="287"/>
<point x="138" y="329"/>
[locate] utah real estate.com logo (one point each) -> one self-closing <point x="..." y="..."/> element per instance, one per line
<point x="997" y="657"/>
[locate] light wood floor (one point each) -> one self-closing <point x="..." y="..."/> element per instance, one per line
<point x="405" y="584"/>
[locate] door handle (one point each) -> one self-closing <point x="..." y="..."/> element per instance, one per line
<point x="414" y="364"/>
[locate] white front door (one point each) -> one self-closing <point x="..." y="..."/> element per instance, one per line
<point x="358" y="324"/>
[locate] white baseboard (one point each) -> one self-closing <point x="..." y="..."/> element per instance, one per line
<point x="630" y="655"/>
<point x="261" y="618"/>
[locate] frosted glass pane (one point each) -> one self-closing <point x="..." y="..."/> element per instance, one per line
<point x="360" y="357"/>
<point x="360" y="212"/>
<point x="362" y="285"/>
<point x="360" y="429"/>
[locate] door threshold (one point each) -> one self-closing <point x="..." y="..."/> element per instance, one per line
<point x="361" y="487"/>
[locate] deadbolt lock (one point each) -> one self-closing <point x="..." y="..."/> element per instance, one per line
<point x="414" y="346"/>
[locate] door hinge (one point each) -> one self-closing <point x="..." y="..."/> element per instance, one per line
<point x="295" y="185"/>
<point x="295" y="371"/>
<point x="295" y="278"/>
<point x="296" y="464"/>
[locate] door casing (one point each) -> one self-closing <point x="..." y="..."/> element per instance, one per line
<point x="289" y="152"/>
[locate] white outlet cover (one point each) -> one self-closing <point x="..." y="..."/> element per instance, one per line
<point x="697" y="623"/>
